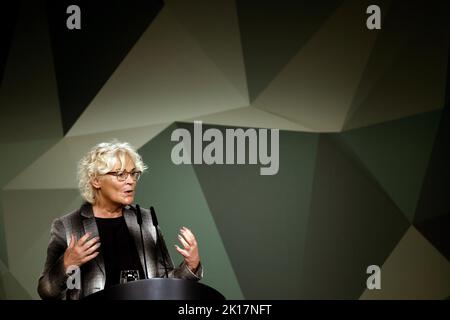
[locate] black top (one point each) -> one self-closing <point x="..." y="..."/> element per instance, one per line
<point x="118" y="249"/>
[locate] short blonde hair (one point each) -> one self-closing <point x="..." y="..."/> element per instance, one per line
<point x="102" y="159"/>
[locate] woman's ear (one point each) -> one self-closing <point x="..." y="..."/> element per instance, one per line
<point x="96" y="182"/>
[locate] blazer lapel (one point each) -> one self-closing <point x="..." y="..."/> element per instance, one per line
<point x="90" y="226"/>
<point x="133" y="228"/>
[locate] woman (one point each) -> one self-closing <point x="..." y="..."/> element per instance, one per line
<point x="103" y="237"/>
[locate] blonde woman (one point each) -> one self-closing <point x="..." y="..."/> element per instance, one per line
<point x="103" y="237"/>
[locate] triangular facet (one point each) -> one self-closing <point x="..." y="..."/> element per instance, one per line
<point x="273" y="32"/>
<point x="396" y="154"/>
<point x="352" y="225"/>
<point x="414" y="270"/>
<point x="86" y="58"/>
<point x="406" y="72"/>
<point x="8" y="18"/>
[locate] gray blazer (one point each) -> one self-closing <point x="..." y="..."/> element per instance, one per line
<point x="52" y="283"/>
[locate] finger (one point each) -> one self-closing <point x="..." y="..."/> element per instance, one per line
<point x="89" y="257"/>
<point x="188" y="232"/>
<point x="183" y="242"/>
<point x="184" y="253"/>
<point x="83" y="239"/>
<point x="92" y="249"/>
<point x="72" y="241"/>
<point x="188" y="235"/>
<point x="90" y="243"/>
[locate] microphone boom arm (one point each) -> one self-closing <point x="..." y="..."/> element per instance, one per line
<point x="158" y="240"/>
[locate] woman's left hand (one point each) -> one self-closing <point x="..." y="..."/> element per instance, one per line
<point x="190" y="251"/>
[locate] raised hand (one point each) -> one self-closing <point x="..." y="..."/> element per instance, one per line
<point x="190" y="249"/>
<point x="81" y="251"/>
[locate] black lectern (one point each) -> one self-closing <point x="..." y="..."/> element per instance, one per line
<point x="158" y="289"/>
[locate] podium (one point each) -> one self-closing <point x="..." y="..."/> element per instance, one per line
<point x="158" y="289"/>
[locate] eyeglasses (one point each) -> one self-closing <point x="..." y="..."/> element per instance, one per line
<point x="123" y="175"/>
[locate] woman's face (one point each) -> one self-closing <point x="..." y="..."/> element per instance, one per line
<point x="112" y="191"/>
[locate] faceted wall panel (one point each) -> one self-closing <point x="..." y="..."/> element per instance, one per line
<point x="363" y="149"/>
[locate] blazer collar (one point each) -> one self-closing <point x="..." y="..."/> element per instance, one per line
<point x="87" y="212"/>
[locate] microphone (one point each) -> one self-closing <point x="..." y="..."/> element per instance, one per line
<point x="154" y="219"/>
<point x="158" y="239"/>
<point x="139" y="221"/>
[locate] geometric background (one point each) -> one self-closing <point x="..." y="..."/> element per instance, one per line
<point x="364" y="119"/>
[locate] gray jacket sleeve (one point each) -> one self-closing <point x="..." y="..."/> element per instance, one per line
<point x="52" y="283"/>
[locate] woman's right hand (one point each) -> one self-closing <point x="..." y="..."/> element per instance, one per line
<point x="81" y="251"/>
